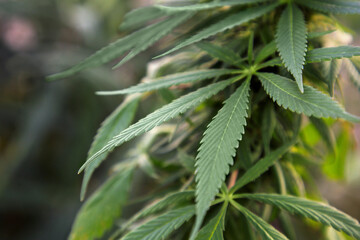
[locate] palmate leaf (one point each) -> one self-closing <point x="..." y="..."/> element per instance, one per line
<point x="161" y="115"/>
<point x="266" y="231"/>
<point x="221" y="52"/>
<point x="172" y="80"/>
<point x="315" y="210"/>
<point x="311" y="103"/>
<point x="215" y="227"/>
<point x="218" y="147"/>
<point x="333" y="6"/>
<point x="291" y="41"/>
<point x="136" y="42"/>
<point x="261" y="166"/>
<point x="327" y="54"/>
<point x="140" y="16"/>
<point x="160" y="227"/>
<point x="227" y="23"/>
<point x="96" y="216"/>
<point x="116" y="122"/>
<point x="205" y="6"/>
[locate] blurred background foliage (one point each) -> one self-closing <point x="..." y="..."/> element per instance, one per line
<point x="46" y="128"/>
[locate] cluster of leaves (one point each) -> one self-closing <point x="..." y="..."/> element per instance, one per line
<point x="262" y="54"/>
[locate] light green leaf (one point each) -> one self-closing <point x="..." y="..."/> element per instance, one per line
<point x="162" y="226"/>
<point x="210" y="5"/>
<point x="140" y="16"/>
<point x="218" y="147"/>
<point x="134" y="42"/>
<point x="260" y="167"/>
<point x="317" y="211"/>
<point x="221" y="52"/>
<point x="227" y="23"/>
<point x="114" y="123"/>
<point x="311" y="103"/>
<point x="159" y="116"/>
<point x="291" y="41"/>
<point x="327" y="54"/>
<point x="214" y="229"/>
<point x="333" y="6"/>
<point x="172" y="80"/>
<point x="266" y="231"/>
<point x="151" y="37"/>
<point x="96" y="216"/>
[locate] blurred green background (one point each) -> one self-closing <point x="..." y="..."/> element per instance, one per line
<point x="46" y="128"/>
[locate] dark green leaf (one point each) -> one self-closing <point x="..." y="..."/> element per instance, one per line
<point x="291" y="39"/>
<point x="218" y="147"/>
<point x="161" y="115"/>
<point x="333" y="6"/>
<point x="311" y="103"/>
<point x="162" y="226"/>
<point x="266" y="231"/>
<point x="327" y="54"/>
<point x="172" y="80"/>
<point x="315" y="210"/>
<point x="227" y="23"/>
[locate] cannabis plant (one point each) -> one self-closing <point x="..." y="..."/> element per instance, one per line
<point x="242" y="81"/>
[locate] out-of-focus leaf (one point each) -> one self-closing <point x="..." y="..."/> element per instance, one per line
<point x="99" y="212"/>
<point x="115" y="122"/>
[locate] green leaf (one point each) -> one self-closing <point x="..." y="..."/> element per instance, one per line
<point x="218" y="147"/>
<point x="265" y="52"/>
<point x="206" y="6"/>
<point x="187" y="161"/>
<point x="268" y="126"/>
<point x="169" y="200"/>
<point x="134" y="42"/>
<point x="96" y="216"/>
<point x="140" y="16"/>
<point x="161" y="115"/>
<point x="151" y="37"/>
<point x="117" y="121"/>
<point x="162" y="226"/>
<point x="332" y="71"/>
<point x="214" y="229"/>
<point x="311" y="103"/>
<point x="261" y="166"/>
<point x="291" y="41"/>
<point x="327" y="54"/>
<point x="325" y="132"/>
<point x="265" y="229"/>
<point x="333" y="6"/>
<point x="172" y="80"/>
<point x="354" y="72"/>
<point x="317" y="211"/>
<point x="313" y="35"/>
<point x="227" y="23"/>
<point x="221" y="52"/>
